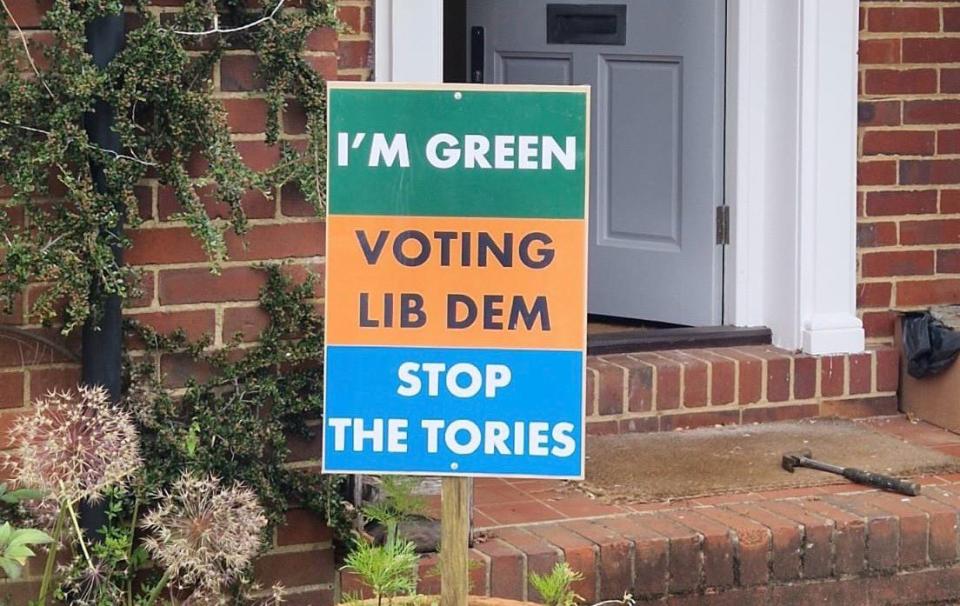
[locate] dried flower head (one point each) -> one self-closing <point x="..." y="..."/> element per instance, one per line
<point x="90" y="586"/>
<point x="205" y="535"/>
<point x="140" y="401"/>
<point x="75" y="445"/>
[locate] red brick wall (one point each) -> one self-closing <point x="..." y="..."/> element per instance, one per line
<point x="180" y="291"/>
<point x="908" y="200"/>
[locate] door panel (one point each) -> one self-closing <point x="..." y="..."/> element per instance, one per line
<point x="520" y="68"/>
<point x="656" y="154"/>
<point x="640" y="160"/>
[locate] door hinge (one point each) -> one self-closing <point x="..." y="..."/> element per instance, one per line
<point x="723" y="224"/>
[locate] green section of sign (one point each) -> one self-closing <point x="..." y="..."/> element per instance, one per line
<point x="540" y="174"/>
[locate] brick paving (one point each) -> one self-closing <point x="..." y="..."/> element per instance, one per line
<point x="835" y="544"/>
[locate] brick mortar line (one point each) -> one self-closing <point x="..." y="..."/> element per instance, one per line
<point x="913" y="157"/>
<point x="598" y="560"/>
<point x="487" y="570"/>
<point x="681" y="379"/>
<point x="764" y="375"/>
<point x="354" y="71"/>
<point x="909" y="278"/>
<point x="905" y="98"/>
<point x="296" y="589"/>
<point x="868" y="35"/>
<point x="284" y="261"/>
<point x="24" y="370"/>
<point x="299" y="548"/>
<point x="736" y="376"/>
<point x="201" y="306"/>
<point x="880" y="156"/>
<point x="154" y="225"/>
<point x="765" y="405"/>
<point x="903" y="65"/>
<point x="900" y="279"/>
<point x="594" y="547"/>
<point x="249" y="52"/>
<point x="917" y="218"/>
<point x="654" y="384"/>
<point x="362" y="36"/>
<point x="708" y="398"/>
<point x="183" y="307"/>
<point x="900" y="128"/>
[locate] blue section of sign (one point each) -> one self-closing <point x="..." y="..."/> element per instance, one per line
<point x="454" y="411"/>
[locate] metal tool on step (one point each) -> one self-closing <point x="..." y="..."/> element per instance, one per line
<point x="802" y="458"/>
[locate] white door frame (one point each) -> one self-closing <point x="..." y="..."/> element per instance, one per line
<point x="790" y="157"/>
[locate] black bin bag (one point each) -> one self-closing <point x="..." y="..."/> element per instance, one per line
<point x="929" y="345"/>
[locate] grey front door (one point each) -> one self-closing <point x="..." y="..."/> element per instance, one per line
<point x="656" y="68"/>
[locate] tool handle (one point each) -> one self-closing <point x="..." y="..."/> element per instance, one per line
<point x="881" y="481"/>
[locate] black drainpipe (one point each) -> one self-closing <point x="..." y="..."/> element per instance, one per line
<point x="102" y="341"/>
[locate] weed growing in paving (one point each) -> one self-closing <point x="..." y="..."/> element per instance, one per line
<point x="556" y="587"/>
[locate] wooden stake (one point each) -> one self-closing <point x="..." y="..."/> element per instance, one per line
<point x="454" y="541"/>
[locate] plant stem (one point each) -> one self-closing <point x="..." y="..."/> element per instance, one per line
<point x="152" y="598"/>
<point x="133" y="531"/>
<point x="51" y="558"/>
<point x="76" y="527"/>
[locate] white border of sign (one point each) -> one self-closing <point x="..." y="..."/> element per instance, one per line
<point x="340" y="84"/>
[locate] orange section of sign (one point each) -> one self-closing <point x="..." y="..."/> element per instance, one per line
<point x="446" y="282"/>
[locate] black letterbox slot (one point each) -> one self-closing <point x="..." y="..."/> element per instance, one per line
<point x="587" y="24"/>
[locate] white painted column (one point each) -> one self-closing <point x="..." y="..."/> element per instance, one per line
<point x="408" y="41"/>
<point x="791" y="171"/>
<point x="828" y="168"/>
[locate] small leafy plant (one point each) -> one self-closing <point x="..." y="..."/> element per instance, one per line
<point x="389" y="570"/>
<point x="399" y="503"/>
<point x="16" y="544"/>
<point x="555" y="588"/>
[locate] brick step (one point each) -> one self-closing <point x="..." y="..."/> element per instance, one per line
<point x="687" y="388"/>
<point x="858" y="547"/>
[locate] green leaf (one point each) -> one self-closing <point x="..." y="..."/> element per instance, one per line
<point x="192" y="440"/>
<point x="18" y="552"/>
<point x="10" y="568"/>
<point x="22" y="494"/>
<point x="139" y="557"/>
<point x="30" y="536"/>
<point x="5" y="532"/>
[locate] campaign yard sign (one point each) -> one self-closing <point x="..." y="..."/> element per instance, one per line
<point x="456" y="280"/>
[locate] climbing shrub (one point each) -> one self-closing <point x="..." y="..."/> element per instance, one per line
<point x="58" y="227"/>
<point x="60" y="224"/>
<point x="236" y="424"/>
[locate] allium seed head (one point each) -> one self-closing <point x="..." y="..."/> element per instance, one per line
<point x="91" y="587"/>
<point x="75" y="445"/>
<point x="204" y="534"/>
